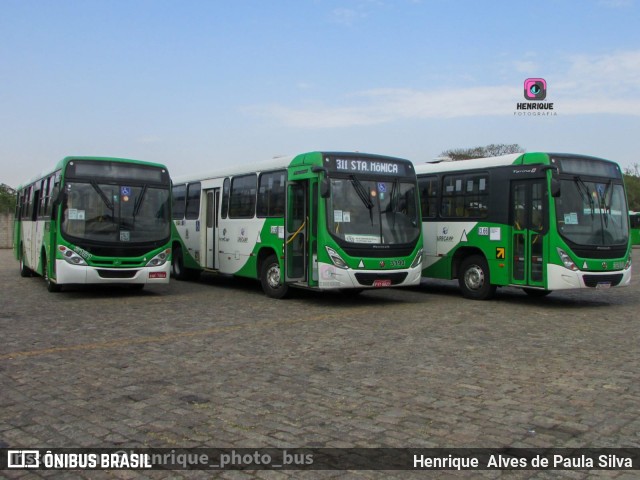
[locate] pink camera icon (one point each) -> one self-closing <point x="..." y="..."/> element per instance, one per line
<point x="535" y="89"/>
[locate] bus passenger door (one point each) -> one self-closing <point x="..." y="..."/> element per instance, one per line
<point x="211" y="247"/>
<point x="529" y="220"/>
<point x="295" y="249"/>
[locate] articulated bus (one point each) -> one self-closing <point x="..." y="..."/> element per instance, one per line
<point x="634" y="223"/>
<point x="95" y="220"/>
<point x="341" y="221"/>
<point x="538" y="221"/>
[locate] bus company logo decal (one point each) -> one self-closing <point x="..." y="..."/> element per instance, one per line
<point x="535" y="90"/>
<point x="242" y="238"/>
<point x="444" y="235"/>
<point x="518" y="171"/>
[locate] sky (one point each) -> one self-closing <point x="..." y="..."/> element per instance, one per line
<point x="201" y="85"/>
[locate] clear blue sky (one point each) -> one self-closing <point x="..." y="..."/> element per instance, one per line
<point x="203" y="84"/>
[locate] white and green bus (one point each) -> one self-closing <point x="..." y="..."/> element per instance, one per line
<point x="538" y="221"/>
<point x="341" y="221"/>
<point x="94" y="220"/>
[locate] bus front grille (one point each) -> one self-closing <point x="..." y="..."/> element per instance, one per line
<point x="369" y="278"/>
<point x="593" y="280"/>
<point x="117" y="273"/>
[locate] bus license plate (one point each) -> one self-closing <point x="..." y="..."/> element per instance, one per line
<point x="382" y="283"/>
<point x="603" y="285"/>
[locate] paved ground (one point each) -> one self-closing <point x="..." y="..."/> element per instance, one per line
<point x="216" y="363"/>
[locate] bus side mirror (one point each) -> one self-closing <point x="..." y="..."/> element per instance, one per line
<point x="555" y="187"/>
<point x="325" y="188"/>
<point x="325" y="184"/>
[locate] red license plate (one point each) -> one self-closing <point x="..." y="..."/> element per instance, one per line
<point x="382" y="283"/>
<point x="157" y="274"/>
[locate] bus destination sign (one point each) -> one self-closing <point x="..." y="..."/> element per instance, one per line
<point x="378" y="166"/>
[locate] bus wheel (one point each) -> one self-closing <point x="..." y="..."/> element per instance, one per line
<point x="177" y="264"/>
<point x="536" y="293"/>
<point x="51" y="285"/>
<point x="24" y="270"/>
<point x="271" y="279"/>
<point x="474" y="279"/>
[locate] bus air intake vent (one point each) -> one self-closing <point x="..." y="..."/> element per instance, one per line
<point x="593" y="280"/>
<point x="117" y="273"/>
<point x="369" y="278"/>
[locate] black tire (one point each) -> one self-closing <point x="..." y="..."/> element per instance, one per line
<point x="52" y="286"/>
<point x="24" y="270"/>
<point x="271" y="278"/>
<point x="474" y="278"/>
<point x="178" y="270"/>
<point x="177" y="264"/>
<point x="536" y="293"/>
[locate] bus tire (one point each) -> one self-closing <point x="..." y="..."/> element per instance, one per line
<point x="177" y="265"/>
<point x="474" y="278"/>
<point x="52" y="286"/>
<point x="271" y="278"/>
<point x="536" y="293"/>
<point x="24" y="270"/>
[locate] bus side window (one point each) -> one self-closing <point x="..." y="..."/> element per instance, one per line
<point x="192" y="211"/>
<point x="428" y="187"/>
<point x="178" y="201"/>
<point x="225" y="198"/>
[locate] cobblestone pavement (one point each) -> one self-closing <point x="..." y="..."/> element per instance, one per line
<point x="216" y="363"/>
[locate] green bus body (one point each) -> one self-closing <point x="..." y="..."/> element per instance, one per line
<point x="537" y="221"/>
<point x="634" y="222"/>
<point x="316" y="220"/>
<point x="95" y="220"/>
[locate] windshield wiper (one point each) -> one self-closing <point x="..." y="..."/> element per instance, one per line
<point x="104" y="198"/>
<point x="582" y="189"/>
<point x="138" y="204"/>
<point x="605" y="204"/>
<point x="363" y="194"/>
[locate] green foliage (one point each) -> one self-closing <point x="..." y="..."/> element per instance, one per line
<point x="632" y="182"/>
<point x="492" y="150"/>
<point x="7" y="199"/>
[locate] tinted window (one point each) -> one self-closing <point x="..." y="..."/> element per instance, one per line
<point x="242" y="201"/>
<point x="271" y="194"/>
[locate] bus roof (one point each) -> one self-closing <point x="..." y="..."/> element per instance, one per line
<point x="276" y="163"/>
<point x="61" y="164"/>
<point x="529" y="158"/>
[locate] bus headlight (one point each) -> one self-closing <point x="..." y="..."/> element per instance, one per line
<point x="70" y="256"/>
<point x="566" y="260"/>
<point x="335" y="258"/>
<point x="627" y="265"/>
<point x="160" y="259"/>
<point x="418" y="260"/>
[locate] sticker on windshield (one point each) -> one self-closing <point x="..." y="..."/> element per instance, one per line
<point x="337" y="216"/>
<point x="125" y="236"/>
<point x="125" y="191"/>
<point x="571" y="218"/>
<point x="382" y="187"/>
<point x="346" y="217"/>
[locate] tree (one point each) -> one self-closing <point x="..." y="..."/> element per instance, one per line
<point x="7" y="198"/>
<point x="632" y="182"/>
<point x="492" y="150"/>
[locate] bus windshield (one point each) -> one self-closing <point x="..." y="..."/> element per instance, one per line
<point x="592" y="212"/>
<point x="364" y="211"/>
<point x="111" y="213"/>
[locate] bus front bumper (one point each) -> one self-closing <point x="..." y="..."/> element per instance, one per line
<point x="561" y="278"/>
<point x="330" y="276"/>
<point x="67" y="274"/>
